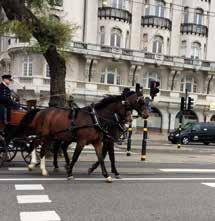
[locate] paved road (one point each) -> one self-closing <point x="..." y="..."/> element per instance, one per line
<point x="148" y="191"/>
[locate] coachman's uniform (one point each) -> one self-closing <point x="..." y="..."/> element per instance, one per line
<point x="6" y="102"/>
<point x="5" y="97"/>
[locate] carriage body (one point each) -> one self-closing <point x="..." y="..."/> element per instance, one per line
<point x="8" y="151"/>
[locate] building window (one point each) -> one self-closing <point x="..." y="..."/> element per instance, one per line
<point x="157" y="45"/>
<point x="186" y="15"/>
<point x="183" y="48"/>
<point x="102" y="35"/>
<point x="127" y="40"/>
<point x="147" y="8"/>
<point x="116" y="37"/>
<point x="198" y="16"/>
<point x="159" y="8"/>
<point x="27" y="66"/>
<point x="196" y="50"/>
<point x="110" y="76"/>
<point x="188" y="83"/>
<point x="149" y="77"/>
<point x="47" y="71"/>
<point x="104" y="3"/>
<point x="118" y="4"/>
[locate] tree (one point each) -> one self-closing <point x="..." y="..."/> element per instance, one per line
<point x="30" y="19"/>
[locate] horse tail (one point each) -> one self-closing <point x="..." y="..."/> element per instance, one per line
<point x="24" y="125"/>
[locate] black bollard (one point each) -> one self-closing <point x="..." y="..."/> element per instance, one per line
<point x="179" y="131"/>
<point x="144" y="142"/>
<point x="129" y="140"/>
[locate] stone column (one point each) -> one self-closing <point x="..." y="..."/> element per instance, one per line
<point x="174" y="75"/>
<point x="91" y="68"/>
<point x="134" y="74"/>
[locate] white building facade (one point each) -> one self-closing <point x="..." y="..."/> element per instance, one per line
<point x="123" y="42"/>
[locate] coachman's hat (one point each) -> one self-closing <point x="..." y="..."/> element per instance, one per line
<point x="7" y="76"/>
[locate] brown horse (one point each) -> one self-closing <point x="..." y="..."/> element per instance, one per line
<point x="137" y="102"/>
<point x="91" y="124"/>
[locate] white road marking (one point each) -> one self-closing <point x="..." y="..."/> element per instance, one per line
<point x="118" y="180"/>
<point x="29" y="187"/>
<point x="18" y="168"/>
<point x="39" y="216"/>
<point x="182" y="170"/>
<point x="33" y="199"/>
<point x="209" y="184"/>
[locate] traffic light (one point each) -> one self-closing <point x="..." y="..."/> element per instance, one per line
<point x="190" y="103"/>
<point x="154" y="90"/>
<point x="183" y="104"/>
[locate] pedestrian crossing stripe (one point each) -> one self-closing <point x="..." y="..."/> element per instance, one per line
<point x="24" y="199"/>
<point x="209" y="184"/>
<point x="186" y="170"/>
<point x="39" y="216"/>
<point x="29" y="187"/>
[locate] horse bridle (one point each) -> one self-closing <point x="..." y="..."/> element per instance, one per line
<point x="117" y="122"/>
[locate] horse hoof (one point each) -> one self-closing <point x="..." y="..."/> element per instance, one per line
<point x="109" y="179"/>
<point x="90" y="170"/>
<point x="45" y="173"/>
<point x="117" y="176"/>
<point x="30" y="167"/>
<point x="70" y="177"/>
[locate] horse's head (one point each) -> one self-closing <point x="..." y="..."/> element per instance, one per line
<point x="124" y="111"/>
<point x="137" y="101"/>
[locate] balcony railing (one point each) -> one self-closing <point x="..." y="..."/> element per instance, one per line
<point x="156" y="21"/>
<point x="115" y="13"/>
<point x="194" y="29"/>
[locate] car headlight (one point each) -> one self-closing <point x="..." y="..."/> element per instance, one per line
<point x="177" y="135"/>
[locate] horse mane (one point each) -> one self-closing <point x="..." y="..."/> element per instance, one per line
<point x="108" y="99"/>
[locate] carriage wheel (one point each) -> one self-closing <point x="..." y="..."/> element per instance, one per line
<point x="2" y="151"/>
<point x="12" y="151"/>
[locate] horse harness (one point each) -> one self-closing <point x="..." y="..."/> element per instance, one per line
<point x="96" y="122"/>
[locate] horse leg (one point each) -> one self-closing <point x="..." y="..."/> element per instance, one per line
<point x="98" y="149"/>
<point x="33" y="163"/>
<point x="75" y="157"/>
<point x="43" y="158"/>
<point x="112" y="159"/>
<point x="56" y="147"/>
<point x="64" y="147"/>
<point x="96" y="164"/>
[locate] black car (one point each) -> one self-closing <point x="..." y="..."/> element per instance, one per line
<point x="194" y="132"/>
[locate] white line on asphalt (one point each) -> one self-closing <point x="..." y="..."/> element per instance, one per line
<point x="183" y="170"/>
<point x="119" y="180"/>
<point x="209" y="184"/>
<point x="29" y="187"/>
<point x="18" y="168"/>
<point x="39" y="216"/>
<point x="33" y="199"/>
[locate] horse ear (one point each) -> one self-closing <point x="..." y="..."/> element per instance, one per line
<point x="137" y="88"/>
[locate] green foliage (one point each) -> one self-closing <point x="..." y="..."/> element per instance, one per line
<point x="59" y="33"/>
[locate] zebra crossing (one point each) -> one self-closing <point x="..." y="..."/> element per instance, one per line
<point x="35" y="199"/>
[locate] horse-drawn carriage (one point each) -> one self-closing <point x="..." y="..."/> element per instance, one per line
<point x="10" y="147"/>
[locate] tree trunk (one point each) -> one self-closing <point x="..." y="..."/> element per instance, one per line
<point x="16" y="10"/>
<point x="57" y="74"/>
